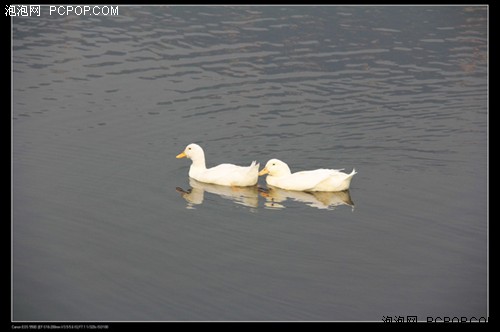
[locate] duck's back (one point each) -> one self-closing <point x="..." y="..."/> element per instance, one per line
<point x="314" y="180"/>
<point x="230" y="175"/>
<point x="335" y="182"/>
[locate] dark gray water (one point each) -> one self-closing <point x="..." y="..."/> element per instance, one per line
<point x="102" y="105"/>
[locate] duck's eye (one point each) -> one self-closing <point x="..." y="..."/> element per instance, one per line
<point x="274" y="164"/>
<point x="189" y="148"/>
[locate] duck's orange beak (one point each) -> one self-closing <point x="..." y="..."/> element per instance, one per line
<point x="264" y="171"/>
<point x="181" y="155"/>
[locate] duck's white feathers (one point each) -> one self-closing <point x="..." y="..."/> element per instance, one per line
<point x="279" y="175"/>
<point x="227" y="174"/>
<point x="316" y="180"/>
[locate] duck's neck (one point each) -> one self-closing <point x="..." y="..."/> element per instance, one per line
<point x="284" y="171"/>
<point x="198" y="162"/>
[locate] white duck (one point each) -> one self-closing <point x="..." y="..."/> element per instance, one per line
<point x="279" y="175"/>
<point x="223" y="174"/>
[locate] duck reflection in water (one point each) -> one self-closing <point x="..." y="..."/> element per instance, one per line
<point x="275" y="197"/>
<point x="247" y="196"/>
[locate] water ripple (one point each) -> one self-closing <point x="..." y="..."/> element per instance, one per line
<point x="298" y="81"/>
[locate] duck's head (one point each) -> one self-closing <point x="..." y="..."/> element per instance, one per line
<point x="192" y="151"/>
<point x="276" y="167"/>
